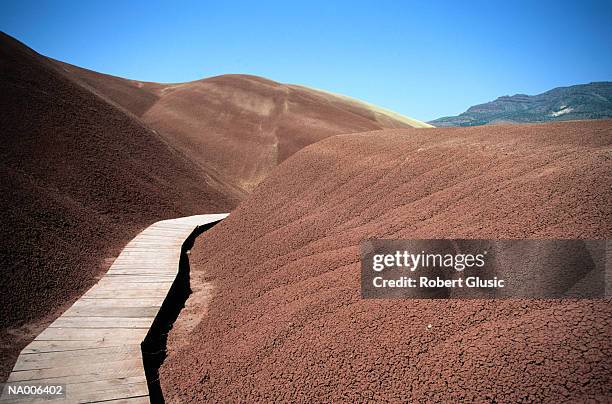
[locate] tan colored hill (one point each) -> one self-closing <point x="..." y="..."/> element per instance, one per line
<point x="79" y="178"/>
<point x="240" y="126"/>
<point x="277" y="313"/>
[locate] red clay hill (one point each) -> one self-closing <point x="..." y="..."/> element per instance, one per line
<point x="83" y="172"/>
<point x="276" y="313"/>
<point x="237" y="126"/>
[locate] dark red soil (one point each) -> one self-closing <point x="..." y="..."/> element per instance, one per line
<point x="286" y="320"/>
<point x="79" y="179"/>
<point x="238" y="126"/>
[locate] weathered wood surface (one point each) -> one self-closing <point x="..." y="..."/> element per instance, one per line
<point x="94" y="348"/>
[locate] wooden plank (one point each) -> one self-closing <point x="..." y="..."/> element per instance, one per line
<point x="60" y="355"/>
<point x="143" y="266"/>
<point x="110" y="393"/>
<point x="162" y="237"/>
<point x="136" y="279"/>
<point x="65" y="346"/>
<point x="110" y="302"/>
<point x="100" y="369"/>
<point x="147" y="257"/>
<point x="139" y="272"/>
<point x="87" y="334"/>
<point x="74" y="385"/>
<point x="104" y="384"/>
<point x="112" y="312"/>
<point x="144" y="260"/>
<point x="147" y="262"/>
<point x="131" y="400"/>
<point x="152" y="257"/>
<point x="71" y="358"/>
<point x="146" y="268"/>
<point x="123" y="287"/>
<point x="126" y="293"/>
<point x="116" y="274"/>
<point x="102" y="322"/>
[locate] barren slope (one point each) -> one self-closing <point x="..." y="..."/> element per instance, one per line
<point x="79" y="178"/>
<point x="237" y="125"/>
<point x="277" y="313"/>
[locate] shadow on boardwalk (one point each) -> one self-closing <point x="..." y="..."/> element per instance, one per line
<point x="155" y="344"/>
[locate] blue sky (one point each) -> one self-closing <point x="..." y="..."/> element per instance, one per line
<point x="424" y="59"/>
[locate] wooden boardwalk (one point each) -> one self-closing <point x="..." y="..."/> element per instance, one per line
<point x="94" y="348"/>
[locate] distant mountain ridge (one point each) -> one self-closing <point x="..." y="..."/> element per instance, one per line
<point x="579" y="102"/>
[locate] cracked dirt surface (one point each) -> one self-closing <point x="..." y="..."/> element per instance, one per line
<point x="286" y="321"/>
